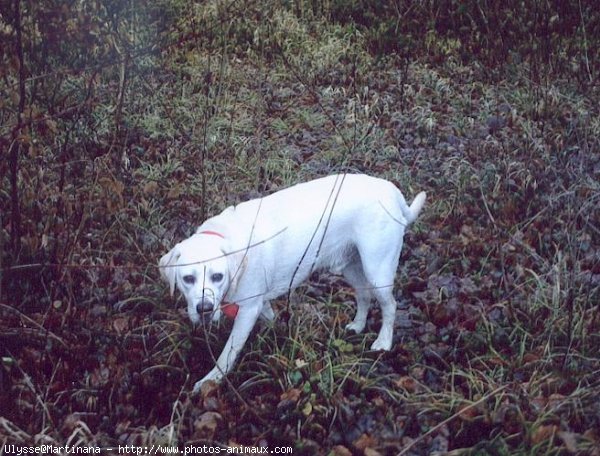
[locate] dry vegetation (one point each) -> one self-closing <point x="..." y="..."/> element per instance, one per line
<point x="125" y="124"/>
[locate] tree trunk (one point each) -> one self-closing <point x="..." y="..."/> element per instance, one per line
<point x="15" y="146"/>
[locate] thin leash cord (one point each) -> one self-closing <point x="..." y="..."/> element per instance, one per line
<point x="315" y="234"/>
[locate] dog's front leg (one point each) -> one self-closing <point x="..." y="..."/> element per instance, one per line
<point x="243" y="324"/>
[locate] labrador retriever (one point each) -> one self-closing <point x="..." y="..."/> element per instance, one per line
<point x="239" y="260"/>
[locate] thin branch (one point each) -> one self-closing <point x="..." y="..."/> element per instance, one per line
<point x="134" y="268"/>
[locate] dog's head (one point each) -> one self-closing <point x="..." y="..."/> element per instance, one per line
<point x="204" y="271"/>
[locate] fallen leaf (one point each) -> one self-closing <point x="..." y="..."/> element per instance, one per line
<point x="300" y="363"/>
<point x="556" y="400"/>
<point x="340" y="450"/>
<point x="121" y="324"/>
<point x="150" y="187"/>
<point x="406" y="383"/>
<point x="70" y="423"/>
<point x="570" y="440"/>
<point x="292" y="394"/>
<point x="307" y="409"/>
<point x="206" y="426"/>
<point x="530" y="358"/>
<point x="591" y="434"/>
<point x="209" y="388"/>
<point x="544" y="433"/>
<point x="468" y="413"/>
<point x="538" y="403"/>
<point x="175" y="192"/>
<point x="363" y="442"/>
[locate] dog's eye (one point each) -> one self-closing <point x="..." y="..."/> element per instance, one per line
<point x="216" y="277"/>
<point x="189" y="279"/>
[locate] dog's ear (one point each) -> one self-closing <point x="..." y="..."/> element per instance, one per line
<point x="166" y="266"/>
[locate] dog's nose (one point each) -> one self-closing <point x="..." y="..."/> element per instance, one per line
<point x="204" y="306"/>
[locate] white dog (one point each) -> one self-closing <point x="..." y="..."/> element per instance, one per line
<point x="239" y="260"/>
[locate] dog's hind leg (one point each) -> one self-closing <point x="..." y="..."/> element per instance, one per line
<point x="355" y="276"/>
<point x="388" y="313"/>
<point x="379" y="263"/>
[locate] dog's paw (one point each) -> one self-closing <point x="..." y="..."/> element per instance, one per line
<point x="213" y="377"/>
<point x="198" y="387"/>
<point x="205" y="388"/>
<point x="356" y="326"/>
<point x="381" y="344"/>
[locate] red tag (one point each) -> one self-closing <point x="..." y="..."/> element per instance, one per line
<point x="230" y="309"/>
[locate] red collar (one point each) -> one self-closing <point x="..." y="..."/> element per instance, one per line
<point x="213" y="233"/>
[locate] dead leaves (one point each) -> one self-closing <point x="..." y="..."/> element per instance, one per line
<point x="451" y="301"/>
<point x="111" y="193"/>
<point x="290" y="396"/>
<point x="205" y="427"/>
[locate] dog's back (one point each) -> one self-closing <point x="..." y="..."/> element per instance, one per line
<point x="321" y="224"/>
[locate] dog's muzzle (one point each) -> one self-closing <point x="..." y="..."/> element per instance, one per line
<point x="205" y="307"/>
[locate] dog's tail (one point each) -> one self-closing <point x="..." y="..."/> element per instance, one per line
<point x="411" y="213"/>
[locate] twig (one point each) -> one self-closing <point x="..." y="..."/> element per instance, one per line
<point x="585" y="44"/>
<point x="35" y="323"/>
<point x="133" y="268"/>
